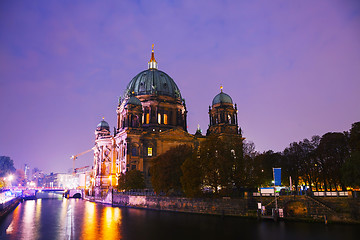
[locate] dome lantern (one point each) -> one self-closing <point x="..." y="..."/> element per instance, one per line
<point x="152" y="64"/>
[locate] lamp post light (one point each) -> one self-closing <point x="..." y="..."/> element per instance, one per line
<point x="10" y="178"/>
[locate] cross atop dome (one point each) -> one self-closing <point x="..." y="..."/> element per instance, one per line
<point x="152" y="64"/>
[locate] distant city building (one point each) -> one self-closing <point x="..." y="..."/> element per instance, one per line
<point x="152" y="118"/>
<point x="80" y="179"/>
<point x="38" y="177"/>
<point x="27" y="172"/>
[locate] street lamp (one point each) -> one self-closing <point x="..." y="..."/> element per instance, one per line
<point x="9" y="179"/>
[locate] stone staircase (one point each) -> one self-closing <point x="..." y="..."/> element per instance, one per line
<point x="299" y="206"/>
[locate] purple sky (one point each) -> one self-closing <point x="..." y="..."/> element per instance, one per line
<point x="292" y="67"/>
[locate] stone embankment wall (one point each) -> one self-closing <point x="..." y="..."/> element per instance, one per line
<point x="7" y="207"/>
<point x="341" y="209"/>
<point x="230" y="207"/>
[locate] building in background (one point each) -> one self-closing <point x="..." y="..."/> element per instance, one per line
<point x="27" y="173"/>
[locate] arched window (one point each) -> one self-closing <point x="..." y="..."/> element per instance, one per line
<point x="147" y="118"/>
<point x="159" y="118"/>
<point x="149" y="152"/>
<point x="134" y="151"/>
<point x="165" y="118"/>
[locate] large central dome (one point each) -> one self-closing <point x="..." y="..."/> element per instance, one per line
<point x="152" y="82"/>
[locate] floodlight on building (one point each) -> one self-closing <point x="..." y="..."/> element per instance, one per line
<point x="10" y="177"/>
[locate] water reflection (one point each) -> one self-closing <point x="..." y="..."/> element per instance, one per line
<point x="89" y="228"/>
<point x="111" y="223"/>
<point x="78" y="219"/>
<point x="69" y="229"/>
<point x="28" y="220"/>
<point x="8" y="226"/>
<point x="100" y="222"/>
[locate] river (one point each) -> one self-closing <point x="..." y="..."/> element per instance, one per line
<point x="79" y="219"/>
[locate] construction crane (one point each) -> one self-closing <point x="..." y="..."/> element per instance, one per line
<point x="74" y="157"/>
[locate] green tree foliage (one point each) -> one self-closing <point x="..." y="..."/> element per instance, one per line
<point x="300" y="161"/>
<point x="315" y="161"/>
<point x="332" y="152"/>
<point x="6" y="166"/>
<point x="351" y="170"/>
<point x="309" y="160"/>
<point x="263" y="167"/>
<point x="122" y="182"/>
<point x="257" y="168"/>
<point x="249" y="149"/>
<point x="329" y="162"/>
<point x="133" y="179"/>
<point x="354" y="140"/>
<point x="221" y="163"/>
<point x="292" y="163"/>
<point x="166" y="169"/>
<point x="191" y="178"/>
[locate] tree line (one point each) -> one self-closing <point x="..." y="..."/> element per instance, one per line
<point x="225" y="165"/>
<point x="217" y="167"/>
<point x="330" y="162"/>
<point x="10" y="176"/>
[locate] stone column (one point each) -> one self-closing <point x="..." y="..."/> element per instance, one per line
<point x="210" y="117"/>
<point x="173" y="118"/>
<point x="185" y="122"/>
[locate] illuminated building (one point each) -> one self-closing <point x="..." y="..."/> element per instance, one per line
<point x="151" y="118"/>
<point x="223" y="115"/>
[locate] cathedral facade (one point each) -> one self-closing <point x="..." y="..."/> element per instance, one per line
<point x="152" y="118"/>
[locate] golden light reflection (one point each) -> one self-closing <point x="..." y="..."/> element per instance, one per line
<point x="108" y="228"/>
<point x="111" y="223"/>
<point x="38" y="212"/>
<point x="13" y="225"/>
<point x="89" y="228"/>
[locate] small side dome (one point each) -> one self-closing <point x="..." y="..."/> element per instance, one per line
<point x="103" y="125"/>
<point x="222" y="98"/>
<point x="133" y="100"/>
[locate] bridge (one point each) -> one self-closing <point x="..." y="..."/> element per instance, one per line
<point x="39" y="193"/>
<point x="43" y="193"/>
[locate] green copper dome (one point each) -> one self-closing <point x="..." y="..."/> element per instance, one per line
<point x="152" y="82"/>
<point x="103" y="125"/>
<point x="222" y="98"/>
<point x="133" y="100"/>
